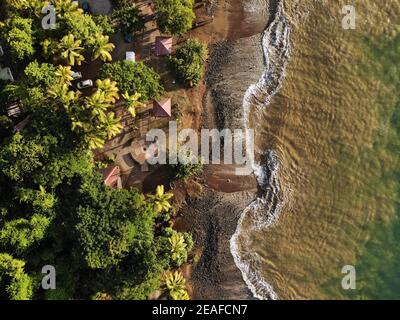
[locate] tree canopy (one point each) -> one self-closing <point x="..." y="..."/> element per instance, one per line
<point x="175" y="17"/>
<point x="134" y="77"/>
<point x="188" y="62"/>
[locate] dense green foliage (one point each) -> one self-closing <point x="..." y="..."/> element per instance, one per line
<point x="129" y="19"/>
<point x="54" y="206"/>
<point x="188" y="166"/>
<point x="75" y="36"/>
<point x="188" y="62"/>
<point x="17" y="34"/>
<point x="18" y="285"/>
<point x="175" y="17"/>
<point x="134" y="77"/>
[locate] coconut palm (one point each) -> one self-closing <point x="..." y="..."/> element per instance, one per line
<point x="178" y="247"/>
<point x="160" y="200"/>
<point x="109" y="89"/>
<point x="132" y="102"/>
<point x="111" y="125"/>
<point x="70" y="50"/>
<point x="64" y="74"/>
<point x="94" y="141"/>
<point x="102" y="48"/>
<point x="175" y="283"/>
<point x="98" y="104"/>
<point x="65" y="6"/>
<point x="181" y="294"/>
<point x="62" y="93"/>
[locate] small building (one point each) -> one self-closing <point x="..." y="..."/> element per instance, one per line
<point x="163" y="46"/>
<point x="130" y="56"/>
<point x="162" y="108"/>
<point x="14" y="109"/>
<point x="112" y="177"/>
<point x="6" y="74"/>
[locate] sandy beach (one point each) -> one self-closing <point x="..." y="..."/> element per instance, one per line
<point x="235" y="63"/>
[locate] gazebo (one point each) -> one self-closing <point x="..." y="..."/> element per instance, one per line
<point x="162" y="108"/>
<point x="111" y="177"/>
<point x="163" y="46"/>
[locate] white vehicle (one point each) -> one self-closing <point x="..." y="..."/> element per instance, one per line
<point x="85" y="84"/>
<point x="76" y="75"/>
<point x="1" y="51"/>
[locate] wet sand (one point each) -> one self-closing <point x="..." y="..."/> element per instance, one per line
<point x="235" y="63"/>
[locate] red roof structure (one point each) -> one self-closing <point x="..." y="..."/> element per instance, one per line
<point x="163" y="46"/>
<point x="111" y="177"/>
<point x="162" y="108"/>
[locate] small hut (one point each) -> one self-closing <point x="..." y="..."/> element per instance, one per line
<point x="14" y="109"/>
<point x="112" y="177"/>
<point x="163" y="46"/>
<point x="162" y="108"/>
<point x="142" y="150"/>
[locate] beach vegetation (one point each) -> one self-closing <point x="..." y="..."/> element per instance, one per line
<point x="188" y="62"/>
<point x="175" y="17"/>
<point x="134" y="77"/>
<point x="188" y="166"/>
<point x="129" y="19"/>
<point x="175" y="284"/>
<point x="55" y="208"/>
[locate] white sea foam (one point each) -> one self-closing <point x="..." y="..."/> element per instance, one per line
<point x="264" y="211"/>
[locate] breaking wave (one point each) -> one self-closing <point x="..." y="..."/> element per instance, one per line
<point x="265" y="210"/>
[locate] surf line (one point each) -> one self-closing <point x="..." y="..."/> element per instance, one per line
<point x="265" y="210"/>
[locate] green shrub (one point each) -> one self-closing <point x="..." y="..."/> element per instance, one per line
<point x="134" y="77"/>
<point x="175" y="17"/>
<point x="129" y="19"/>
<point x="188" y="62"/>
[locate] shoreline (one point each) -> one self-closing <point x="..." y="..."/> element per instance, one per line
<point x="213" y="217"/>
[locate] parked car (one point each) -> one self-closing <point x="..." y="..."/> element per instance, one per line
<point x="1" y="51"/>
<point x="86" y="7"/>
<point x="85" y="84"/>
<point x="76" y="75"/>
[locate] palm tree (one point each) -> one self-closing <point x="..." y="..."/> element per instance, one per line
<point x="98" y="104"/>
<point x="111" y="125"/>
<point x="181" y="294"/>
<point x="102" y="48"/>
<point x="62" y="93"/>
<point x="70" y="50"/>
<point x="160" y="200"/>
<point x="178" y="246"/>
<point x="65" y="6"/>
<point x="64" y="74"/>
<point x="175" y="282"/>
<point x="132" y="102"/>
<point x="109" y="89"/>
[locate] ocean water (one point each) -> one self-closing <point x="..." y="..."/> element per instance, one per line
<point x="328" y="142"/>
